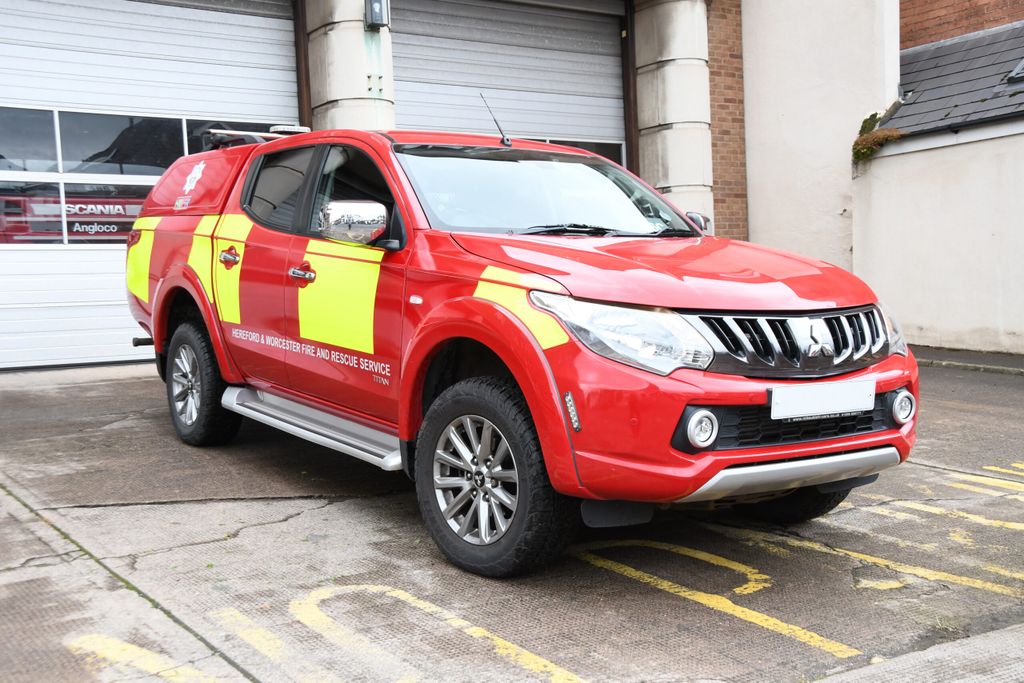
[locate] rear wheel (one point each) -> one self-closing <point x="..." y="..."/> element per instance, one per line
<point x="194" y="389"/>
<point x="796" y="506"/>
<point x="481" y="483"/>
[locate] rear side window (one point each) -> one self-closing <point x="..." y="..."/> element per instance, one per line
<point x="277" y="191"/>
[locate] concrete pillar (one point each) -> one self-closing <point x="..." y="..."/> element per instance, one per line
<point x="351" y="75"/>
<point x="674" y="100"/>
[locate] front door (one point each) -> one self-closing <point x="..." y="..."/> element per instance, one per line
<point x="347" y="309"/>
<point x="251" y="253"/>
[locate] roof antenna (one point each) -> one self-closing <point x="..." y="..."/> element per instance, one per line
<point x="504" y="138"/>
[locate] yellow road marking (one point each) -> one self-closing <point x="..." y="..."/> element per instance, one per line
<point x="902" y="568"/>
<point x="970" y="517"/>
<point x="268" y="644"/>
<point x="991" y="481"/>
<point x="1002" y="571"/>
<point x="723" y="604"/>
<point x="962" y="537"/>
<point x="1003" y="470"/>
<point x="988" y="492"/>
<point x="97" y="648"/>
<point x="880" y="585"/>
<point x="1018" y="465"/>
<point x="308" y="611"/>
<point x="894" y="514"/>
<point x="755" y="579"/>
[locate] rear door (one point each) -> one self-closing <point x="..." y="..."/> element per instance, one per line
<point x="251" y="260"/>
<point x="348" y="317"/>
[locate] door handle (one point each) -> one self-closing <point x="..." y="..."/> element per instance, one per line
<point x="229" y="257"/>
<point x="303" y="273"/>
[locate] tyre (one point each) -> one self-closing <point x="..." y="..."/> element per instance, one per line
<point x="797" y="506"/>
<point x="194" y="389"/>
<point x="481" y="483"/>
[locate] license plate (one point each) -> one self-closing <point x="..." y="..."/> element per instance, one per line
<point x="822" y="399"/>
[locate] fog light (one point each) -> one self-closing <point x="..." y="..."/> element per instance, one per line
<point x="702" y="429"/>
<point x="903" y="407"/>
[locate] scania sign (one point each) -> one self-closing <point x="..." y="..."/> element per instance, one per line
<point x="95" y="209"/>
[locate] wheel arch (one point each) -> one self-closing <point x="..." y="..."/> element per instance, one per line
<point x="180" y="289"/>
<point x="472" y="325"/>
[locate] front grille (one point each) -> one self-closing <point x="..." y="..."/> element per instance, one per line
<point x="753" y="426"/>
<point x="810" y="345"/>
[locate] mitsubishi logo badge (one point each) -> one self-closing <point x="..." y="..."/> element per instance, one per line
<point x="821" y="340"/>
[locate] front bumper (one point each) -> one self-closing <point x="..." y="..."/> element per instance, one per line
<point x="623" y="449"/>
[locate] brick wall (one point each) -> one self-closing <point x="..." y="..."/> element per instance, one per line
<point x="728" y="145"/>
<point x="925" y="21"/>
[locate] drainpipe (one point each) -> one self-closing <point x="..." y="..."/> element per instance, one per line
<point x="351" y="74"/>
<point x="674" y="100"/>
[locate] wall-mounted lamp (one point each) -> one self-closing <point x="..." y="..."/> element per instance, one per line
<point x="378" y="14"/>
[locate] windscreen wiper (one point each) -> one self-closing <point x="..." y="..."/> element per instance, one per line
<point x="668" y="232"/>
<point x="566" y="229"/>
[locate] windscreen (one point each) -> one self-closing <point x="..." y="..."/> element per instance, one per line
<point x="484" y="189"/>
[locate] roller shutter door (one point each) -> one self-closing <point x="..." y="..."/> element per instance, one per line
<point x="222" y="60"/>
<point x="550" y="72"/>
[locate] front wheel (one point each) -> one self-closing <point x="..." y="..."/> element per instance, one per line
<point x="194" y="389"/>
<point x="482" y="487"/>
<point x="797" y="506"/>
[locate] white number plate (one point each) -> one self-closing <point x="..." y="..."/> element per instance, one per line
<point x="820" y="399"/>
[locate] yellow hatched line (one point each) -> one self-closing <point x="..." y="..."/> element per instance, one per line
<point x="750" y="535"/>
<point x="308" y="611"/>
<point x="268" y="644"/>
<point x="991" y="481"/>
<point x="988" y="492"/>
<point x="98" y="648"/>
<point x="1003" y="470"/>
<point x="724" y="605"/>
<point x="959" y="514"/>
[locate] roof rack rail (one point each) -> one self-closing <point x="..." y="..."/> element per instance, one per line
<point x="218" y="138"/>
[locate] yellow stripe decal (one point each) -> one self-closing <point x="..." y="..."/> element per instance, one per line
<point x="346" y="250"/>
<point x="338" y="307"/>
<point x="200" y="256"/>
<point x="544" y="328"/>
<point x="137" y="265"/>
<point x="233" y="226"/>
<point x="525" y="280"/>
<point x="231" y="231"/>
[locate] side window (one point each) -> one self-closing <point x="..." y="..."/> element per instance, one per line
<point x="277" y="192"/>
<point x="350" y="174"/>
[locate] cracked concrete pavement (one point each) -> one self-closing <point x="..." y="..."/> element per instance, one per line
<point x="127" y="555"/>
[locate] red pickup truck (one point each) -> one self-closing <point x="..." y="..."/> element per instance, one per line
<point x="527" y="330"/>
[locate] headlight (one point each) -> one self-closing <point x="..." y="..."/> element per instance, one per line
<point x="650" y="339"/>
<point x="897" y="344"/>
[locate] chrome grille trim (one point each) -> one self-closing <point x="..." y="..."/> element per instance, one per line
<point x="790" y="345"/>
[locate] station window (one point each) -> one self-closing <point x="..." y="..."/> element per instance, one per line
<point x="102" y="213"/>
<point x="27" y="140"/>
<point x="126" y="145"/>
<point x="30" y="213"/>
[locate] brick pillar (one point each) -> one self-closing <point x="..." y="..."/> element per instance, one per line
<point x="673" y="104"/>
<point x="351" y="77"/>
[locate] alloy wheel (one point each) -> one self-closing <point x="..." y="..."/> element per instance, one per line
<point x="476" y="482"/>
<point x="186" y="384"/>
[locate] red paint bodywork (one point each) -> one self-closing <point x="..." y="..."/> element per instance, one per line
<point x="628" y="416"/>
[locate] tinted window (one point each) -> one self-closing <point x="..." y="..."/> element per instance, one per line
<point x="277" y="190"/>
<point x="348" y="173"/>
<point x="27" y="141"/>
<point x="30" y="213"/>
<point x="196" y="128"/>
<point x="102" y="213"/>
<point x="102" y="143"/>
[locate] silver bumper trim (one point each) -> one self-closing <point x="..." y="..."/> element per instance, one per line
<point x="782" y="476"/>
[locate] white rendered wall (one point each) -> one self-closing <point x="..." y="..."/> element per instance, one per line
<point x="939" y="235"/>
<point x="812" y="71"/>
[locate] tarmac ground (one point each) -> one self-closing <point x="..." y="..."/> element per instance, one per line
<point x="125" y="554"/>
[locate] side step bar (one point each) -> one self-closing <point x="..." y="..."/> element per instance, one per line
<point x="366" y="443"/>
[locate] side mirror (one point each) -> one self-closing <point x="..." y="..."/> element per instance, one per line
<point x="702" y="221"/>
<point x="353" y="220"/>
